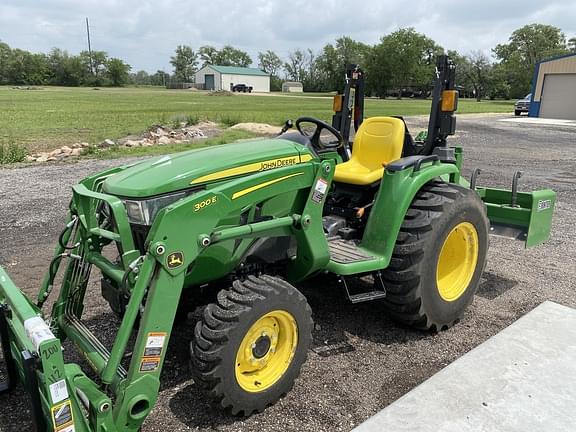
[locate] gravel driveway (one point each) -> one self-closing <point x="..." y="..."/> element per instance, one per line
<point x="361" y="361"/>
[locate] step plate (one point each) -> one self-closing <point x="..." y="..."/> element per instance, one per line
<point x="346" y="251"/>
<point x="367" y="296"/>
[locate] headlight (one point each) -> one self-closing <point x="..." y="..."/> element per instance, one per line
<point x="143" y="212"/>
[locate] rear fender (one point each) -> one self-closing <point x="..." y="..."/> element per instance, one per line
<point x="401" y="181"/>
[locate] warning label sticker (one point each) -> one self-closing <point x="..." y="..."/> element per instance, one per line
<point x="319" y="190"/>
<point x="150" y="364"/>
<point x="154" y="344"/>
<point x="544" y="205"/>
<point x="58" y="391"/>
<point x="62" y="417"/>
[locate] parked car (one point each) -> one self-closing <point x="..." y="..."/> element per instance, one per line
<point x="242" y="88"/>
<point x="522" y="105"/>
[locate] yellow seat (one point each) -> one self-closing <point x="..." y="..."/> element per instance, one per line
<point x="379" y="141"/>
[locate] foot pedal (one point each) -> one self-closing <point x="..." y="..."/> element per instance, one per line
<point x="367" y="295"/>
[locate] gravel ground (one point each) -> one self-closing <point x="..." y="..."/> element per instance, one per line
<point x="361" y="361"/>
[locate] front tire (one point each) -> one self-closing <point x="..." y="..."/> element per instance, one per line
<point x="438" y="258"/>
<point x="249" y="347"/>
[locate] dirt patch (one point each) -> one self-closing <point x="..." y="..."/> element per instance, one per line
<point x="258" y="128"/>
<point x="155" y="135"/>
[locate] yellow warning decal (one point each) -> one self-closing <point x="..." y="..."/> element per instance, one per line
<point x="62" y="417"/>
<point x="254" y="167"/>
<point x="262" y="185"/>
<point x="149" y="364"/>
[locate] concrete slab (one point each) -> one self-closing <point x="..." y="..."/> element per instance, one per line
<point x="540" y="121"/>
<point x="521" y="380"/>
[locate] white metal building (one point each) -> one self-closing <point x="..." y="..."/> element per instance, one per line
<point x="225" y="77"/>
<point x="554" y="88"/>
<point x="292" y="87"/>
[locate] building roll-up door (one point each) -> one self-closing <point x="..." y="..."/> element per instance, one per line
<point x="209" y="82"/>
<point x="559" y="97"/>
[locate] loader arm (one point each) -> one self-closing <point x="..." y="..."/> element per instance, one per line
<point x="63" y="395"/>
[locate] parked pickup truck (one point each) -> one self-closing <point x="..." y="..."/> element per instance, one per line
<point x="522" y="105"/>
<point x="242" y="88"/>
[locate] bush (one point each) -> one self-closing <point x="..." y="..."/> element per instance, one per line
<point x="192" y="119"/>
<point x="11" y="152"/>
<point x="179" y="120"/>
<point x="229" y="120"/>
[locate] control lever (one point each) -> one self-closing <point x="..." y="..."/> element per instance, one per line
<point x="288" y="125"/>
<point x="474" y="177"/>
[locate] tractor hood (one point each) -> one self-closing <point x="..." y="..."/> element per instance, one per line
<point x="210" y="164"/>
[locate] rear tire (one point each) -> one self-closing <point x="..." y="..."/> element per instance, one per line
<point x="439" y="257"/>
<point x="250" y="345"/>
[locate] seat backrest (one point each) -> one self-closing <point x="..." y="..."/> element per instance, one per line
<point x="379" y="141"/>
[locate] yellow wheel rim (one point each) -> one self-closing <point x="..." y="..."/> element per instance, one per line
<point x="266" y="351"/>
<point x="457" y="261"/>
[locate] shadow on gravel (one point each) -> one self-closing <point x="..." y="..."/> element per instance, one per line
<point x="493" y="285"/>
<point x="337" y="320"/>
<point x="193" y="409"/>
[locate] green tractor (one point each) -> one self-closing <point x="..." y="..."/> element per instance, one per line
<point x="233" y="228"/>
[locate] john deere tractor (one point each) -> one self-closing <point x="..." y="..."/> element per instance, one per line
<point x="238" y="227"/>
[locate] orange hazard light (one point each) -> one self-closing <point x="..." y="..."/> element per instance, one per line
<point x="449" y="100"/>
<point x="337" y="104"/>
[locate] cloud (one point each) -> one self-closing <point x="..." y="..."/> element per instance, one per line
<point x="145" y="32"/>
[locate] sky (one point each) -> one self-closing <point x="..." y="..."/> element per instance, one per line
<point x="145" y="33"/>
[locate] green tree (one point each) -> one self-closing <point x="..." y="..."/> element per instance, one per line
<point x="478" y="71"/>
<point x="141" y="78"/>
<point x="295" y="67"/>
<point x="332" y="61"/>
<point x="27" y="68"/>
<point x="227" y="56"/>
<point x="230" y="56"/>
<point x="65" y="69"/>
<point x="271" y="63"/>
<point x="527" y="46"/>
<point x="5" y="56"/>
<point x="117" y="72"/>
<point x="404" y="58"/>
<point x="185" y="62"/>
<point x="208" y="54"/>
<point x="160" y="78"/>
<point x="312" y="80"/>
<point x="95" y="66"/>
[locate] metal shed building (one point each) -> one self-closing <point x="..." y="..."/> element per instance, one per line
<point x="292" y="87"/>
<point x="225" y="77"/>
<point x="554" y="88"/>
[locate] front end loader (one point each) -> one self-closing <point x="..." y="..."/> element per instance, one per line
<point x="233" y="229"/>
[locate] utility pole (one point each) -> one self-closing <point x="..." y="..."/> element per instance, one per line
<point x="89" y="46"/>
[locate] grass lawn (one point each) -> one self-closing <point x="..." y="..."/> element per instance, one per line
<point x="54" y="116"/>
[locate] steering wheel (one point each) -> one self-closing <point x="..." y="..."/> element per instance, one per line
<point x="315" y="138"/>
